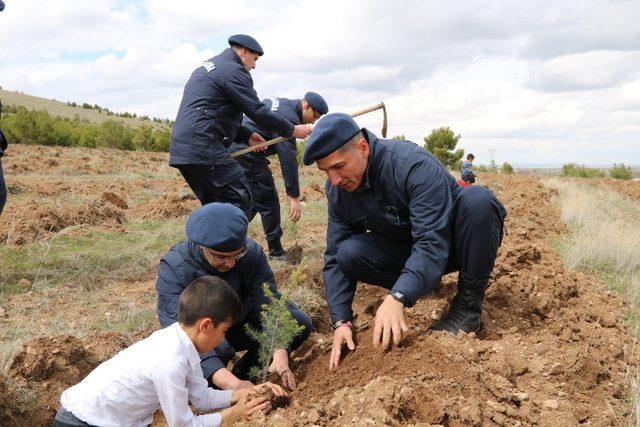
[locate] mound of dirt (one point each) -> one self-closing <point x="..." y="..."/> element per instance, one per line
<point x="16" y="406"/>
<point x="552" y="351"/>
<point x="114" y="199"/>
<point x="49" y="365"/>
<point x="168" y="206"/>
<point x="630" y="189"/>
<point x="46" y="366"/>
<point x="32" y="221"/>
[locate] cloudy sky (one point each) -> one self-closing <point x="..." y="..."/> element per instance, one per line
<point x="529" y="82"/>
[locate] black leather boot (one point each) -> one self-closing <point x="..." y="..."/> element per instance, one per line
<point x="275" y="249"/>
<point x="465" y="309"/>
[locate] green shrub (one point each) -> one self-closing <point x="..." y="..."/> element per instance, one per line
<point x="580" y="171"/>
<point x="620" y="171"/>
<point x="506" y="168"/>
<point x="23" y="126"/>
<point x="491" y="167"/>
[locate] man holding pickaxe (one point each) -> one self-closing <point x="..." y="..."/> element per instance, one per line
<point x="256" y="165"/>
<point x="209" y="121"/>
<point x="397" y="219"/>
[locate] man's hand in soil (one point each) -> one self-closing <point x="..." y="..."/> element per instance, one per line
<point x="341" y="335"/>
<point x="256" y="139"/>
<point x="389" y="323"/>
<point x="245" y="406"/>
<point x="295" y="209"/>
<point x="280" y="364"/>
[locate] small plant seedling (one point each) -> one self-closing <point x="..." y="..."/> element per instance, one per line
<point x="279" y="329"/>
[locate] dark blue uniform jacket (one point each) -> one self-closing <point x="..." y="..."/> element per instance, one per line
<point x="406" y="195"/>
<point x="210" y="114"/>
<point x="291" y="110"/>
<point x="185" y="262"/>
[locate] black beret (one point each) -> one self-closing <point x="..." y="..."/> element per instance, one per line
<point x="1" y="5"/>
<point x="246" y="41"/>
<point x="330" y="133"/>
<point x="218" y="226"/>
<point x="317" y="102"/>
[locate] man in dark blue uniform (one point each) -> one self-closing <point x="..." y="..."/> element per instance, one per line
<point x="398" y="219"/>
<point x="217" y="245"/>
<point x="256" y="165"/>
<point x="3" y="146"/>
<point x="209" y="120"/>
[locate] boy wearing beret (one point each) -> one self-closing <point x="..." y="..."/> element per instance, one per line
<point x="163" y="371"/>
<point x="263" y="188"/>
<point x="217" y="245"/>
<point x="398" y="219"/>
<point x="209" y="120"/>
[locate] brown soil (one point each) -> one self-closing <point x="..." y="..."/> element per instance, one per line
<point x="313" y="193"/>
<point x="630" y="189"/>
<point x="552" y="352"/>
<point x="35" y="221"/>
<point x="49" y="365"/>
<point x="554" y="349"/>
<point x="169" y="206"/>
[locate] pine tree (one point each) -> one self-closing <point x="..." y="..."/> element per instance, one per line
<point x="441" y="143"/>
<point x="279" y="328"/>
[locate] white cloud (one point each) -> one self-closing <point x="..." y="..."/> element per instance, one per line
<point x="536" y="81"/>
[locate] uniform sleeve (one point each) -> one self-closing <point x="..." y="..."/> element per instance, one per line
<point x="170" y="383"/>
<point x="339" y="288"/>
<point x="430" y="208"/>
<point x="243" y="135"/>
<point x="211" y="363"/>
<point x="288" y="155"/>
<point x="169" y="286"/>
<point x="239" y="88"/>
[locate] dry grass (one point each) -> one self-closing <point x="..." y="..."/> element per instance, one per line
<point x="605" y="240"/>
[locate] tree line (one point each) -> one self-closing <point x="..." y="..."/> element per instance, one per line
<point x="23" y="126"/>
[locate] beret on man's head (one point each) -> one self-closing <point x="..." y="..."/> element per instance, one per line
<point x="246" y="41"/>
<point x="218" y="226"/>
<point x="330" y="133"/>
<point x="317" y="102"/>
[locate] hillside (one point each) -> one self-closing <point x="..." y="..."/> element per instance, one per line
<point x="58" y="108"/>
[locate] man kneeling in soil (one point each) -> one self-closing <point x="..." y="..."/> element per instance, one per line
<point x="398" y="219"/>
<point x="163" y="371"/>
<point x="217" y="245"/>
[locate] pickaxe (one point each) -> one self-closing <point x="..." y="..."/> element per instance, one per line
<point x="354" y="114"/>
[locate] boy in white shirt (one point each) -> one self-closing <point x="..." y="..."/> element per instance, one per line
<point x="163" y="371"/>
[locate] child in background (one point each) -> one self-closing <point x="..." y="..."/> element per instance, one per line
<point x="163" y="371"/>
<point x="467" y="170"/>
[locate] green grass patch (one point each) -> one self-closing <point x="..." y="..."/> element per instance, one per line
<point x="91" y="259"/>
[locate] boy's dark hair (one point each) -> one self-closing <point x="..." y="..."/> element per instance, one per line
<point x="470" y="156"/>
<point x="211" y="297"/>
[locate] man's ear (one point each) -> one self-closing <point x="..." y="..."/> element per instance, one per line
<point x="363" y="148"/>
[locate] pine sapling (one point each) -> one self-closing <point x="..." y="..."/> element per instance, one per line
<point x="279" y="329"/>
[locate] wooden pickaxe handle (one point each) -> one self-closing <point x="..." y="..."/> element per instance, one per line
<point x="282" y="139"/>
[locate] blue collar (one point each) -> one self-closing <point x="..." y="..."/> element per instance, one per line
<point x="369" y="171"/>
<point x="297" y="107"/>
<point x="232" y="55"/>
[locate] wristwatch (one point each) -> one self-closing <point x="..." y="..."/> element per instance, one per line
<point x="400" y="297"/>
